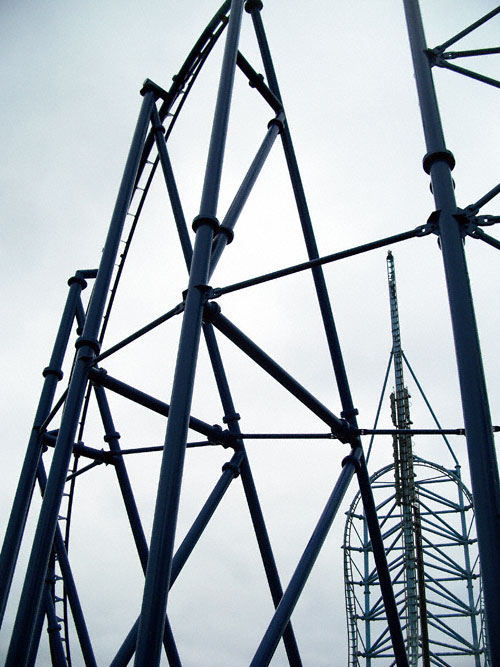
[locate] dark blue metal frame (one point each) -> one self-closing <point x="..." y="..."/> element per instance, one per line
<point x="438" y="163"/>
<point x="199" y="313"/>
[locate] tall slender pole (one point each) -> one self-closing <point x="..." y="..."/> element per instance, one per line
<point x="87" y="348"/>
<point x="479" y="433"/>
<point x="52" y="374"/>
<point x="158" y="573"/>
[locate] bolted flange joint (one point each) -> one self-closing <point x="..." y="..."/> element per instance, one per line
<point x="111" y="436"/>
<point x="93" y="343"/>
<point x="233" y="417"/>
<point x="52" y="371"/>
<point x="206" y="220"/>
<point x="347" y="414"/>
<point x="77" y="279"/>
<point x="228" y="233"/>
<point x="438" y="156"/>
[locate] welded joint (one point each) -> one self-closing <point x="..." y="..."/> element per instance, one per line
<point x="347" y="414"/>
<point x="469" y="223"/>
<point x="211" y="309"/>
<point x="206" y="290"/>
<point x="354" y="457"/>
<point x="279" y="121"/>
<point x="96" y="372"/>
<point x="344" y="431"/>
<point x="435" y="56"/>
<point x="53" y="628"/>
<point x="98" y="455"/>
<point x="233" y="467"/>
<point x="151" y="86"/>
<point x="251" y="5"/>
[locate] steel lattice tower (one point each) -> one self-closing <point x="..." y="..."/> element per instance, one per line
<point x="63" y="421"/>
<point x="426" y="515"/>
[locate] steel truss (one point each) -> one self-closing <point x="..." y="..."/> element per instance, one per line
<point x="201" y="315"/>
<point x="453" y="606"/>
<point x="427" y="519"/>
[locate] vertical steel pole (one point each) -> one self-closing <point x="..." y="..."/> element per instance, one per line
<point x="20" y="507"/>
<point x="479" y="433"/>
<point x="158" y="573"/>
<point x="87" y="347"/>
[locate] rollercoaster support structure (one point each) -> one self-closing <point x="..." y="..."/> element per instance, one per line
<point x="438" y="163"/>
<point x="161" y="566"/>
<point x="405" y="478"/>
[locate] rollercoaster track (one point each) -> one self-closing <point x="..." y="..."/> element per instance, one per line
<point x="443" y="573"/>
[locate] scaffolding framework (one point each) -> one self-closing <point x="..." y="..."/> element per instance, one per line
<point x="50" y="594"/>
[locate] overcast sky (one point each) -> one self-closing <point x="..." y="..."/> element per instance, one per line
<point x="71" y="79"/>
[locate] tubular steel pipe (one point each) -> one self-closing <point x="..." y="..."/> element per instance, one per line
<point x="173" y="193"/>
<point x="305" y="219"/>
<point x="112" y="438"/>
<point x="349" y="412"/>
<point x="100" y="377"/>
<point x="282" y="615"/>
<point x="379" y="555"/>
<point x="211" y="184"/>
<point x="169" y="486"/>
<point x="22" y="499"/>
<point x="225" y="233"/>
<point x="69" y="584"/>
<point x="320" y="261"/>
<point x="87" y="349"/>
<point x="231" y="418"/>
<point x="339" y="427"/>
<point x="165" y="519"/>
<point x="229" y="472"/>
<point x="213" y="315"/>
<point x="479" y="435"/>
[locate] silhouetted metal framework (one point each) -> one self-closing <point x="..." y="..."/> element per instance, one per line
<point x="201" y="314"/>
<point x="427" y="519"/>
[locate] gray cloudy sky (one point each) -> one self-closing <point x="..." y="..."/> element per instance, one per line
<point x="71" y="76"/>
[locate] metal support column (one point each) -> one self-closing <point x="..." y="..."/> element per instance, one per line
<point x="20" y="507"/>
<point x="87" y="348"/>
<point x="205" y="225"/>
<point x="439" y="162"/>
